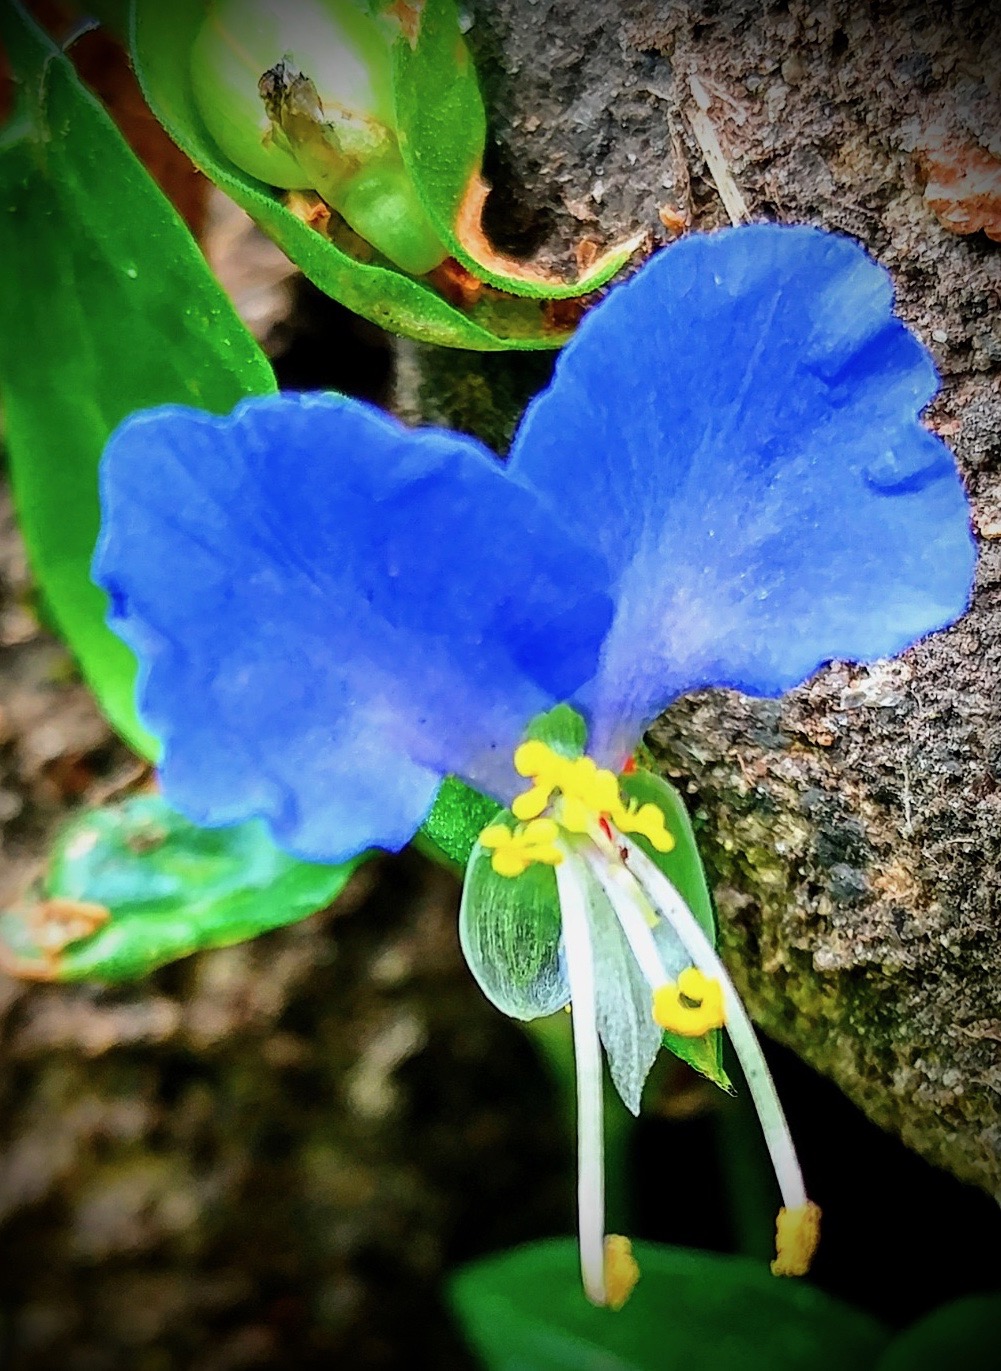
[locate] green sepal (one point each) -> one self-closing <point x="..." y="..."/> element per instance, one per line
<point x="442" y="130"/>
<point x="169" y="889"/>
<point x="683" y="868"/>
<point x="161" y="40"/>
<point x="690" y="1311"/>
<point x="509" y="929"/>
<point x="114" y="310"/>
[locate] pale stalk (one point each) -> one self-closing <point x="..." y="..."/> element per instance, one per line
<point x="587" y="1054"/>
<point x="639" y="875"/>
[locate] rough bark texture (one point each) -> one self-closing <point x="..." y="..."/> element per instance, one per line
<point x="852" y="830"/>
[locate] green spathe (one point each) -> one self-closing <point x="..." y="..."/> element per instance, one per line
<point x="299" y="94"/>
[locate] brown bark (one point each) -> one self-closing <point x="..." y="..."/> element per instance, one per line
<point x="852" y="830"/>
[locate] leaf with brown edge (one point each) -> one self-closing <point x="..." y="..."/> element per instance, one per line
<point x="442" y="131"/>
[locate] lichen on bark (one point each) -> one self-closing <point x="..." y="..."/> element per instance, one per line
<point x="852" y="830"/>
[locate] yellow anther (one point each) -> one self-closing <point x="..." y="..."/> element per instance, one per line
<point x="587" y="792"/>
<point x="689" y="1020"/>
<point x="797" y="1233"/>
<point x="592" y="786"/>
<point x="546" y="768"/>
<point x="531" y="803"/>
<point x="621" y="1270"/>
<point x="647" y="820"/>
<point x="512" y="851"/>
<point x="534" y="758"/>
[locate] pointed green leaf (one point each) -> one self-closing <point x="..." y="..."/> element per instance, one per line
<point x="509" y="928"/>
<point x="155" y="887"/>
<point x="683" y="867"/>
<point x="162" y="42"/>
<point x="691" y="1311"/>
<point x="442" y="129"/>
<point x="108" y="307"/>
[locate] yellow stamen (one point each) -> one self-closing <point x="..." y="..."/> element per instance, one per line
<point x="689" y="1020"/>
<point x="647" y="820"/>
<point x="621" y="1270"/>
<point x="531" y="803"/>
<point x="534" y="758"/>
<point x="587" y="792"/>
<point x="797" y="1233"/>
<point x="512" y="851"/>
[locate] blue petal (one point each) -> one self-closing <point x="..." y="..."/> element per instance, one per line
<point x="736" y="430"/>
<point x="333" y="611"/>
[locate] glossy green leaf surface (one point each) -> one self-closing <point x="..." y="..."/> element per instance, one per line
<point x="965" y="1333"/>
<point x="168" y="888"/>
<point x="442" y="129"/>
<point x="691" y="1311"/>
<point x="114" y="310"/>
<point x="162" y="38"/>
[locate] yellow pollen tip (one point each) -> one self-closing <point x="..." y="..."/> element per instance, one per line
<point x="585" y="794"/>
<point x="797" y="1233"/>
<point x="531" y="803"/>
<point x="648" y="821"/>
<point x="533" y="758"/>
<point x="512" y="851"/>
<point x="690" y="1020"/>
<point x="621" y="1270"/>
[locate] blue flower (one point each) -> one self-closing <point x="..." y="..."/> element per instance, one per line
<point x="726" y="484"/>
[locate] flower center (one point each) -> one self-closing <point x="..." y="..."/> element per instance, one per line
<point x="575" y="818"/>
<point x="579" y="794"/>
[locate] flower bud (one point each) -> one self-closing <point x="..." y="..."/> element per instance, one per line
<point x="298" y="93"/>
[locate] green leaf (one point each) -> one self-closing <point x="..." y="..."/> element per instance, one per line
<point x="108" y="307"/>
<point x="162" y="38"/>
<point x="442" y="131"/>
<point x="683" y="867"/>
<point x="691" y="1311"/>
<point x="112" y="308"/>
<point x="168" y="888"/>
<point x="966" y="1333"/>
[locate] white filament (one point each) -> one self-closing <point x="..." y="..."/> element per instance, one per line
<point x="633" y="921"/>
<point x="587" y="1054"/>
<point x="632" y="884"/>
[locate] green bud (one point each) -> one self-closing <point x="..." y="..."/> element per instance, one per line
<point x="298" y="93"/>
